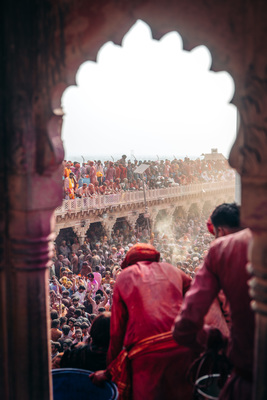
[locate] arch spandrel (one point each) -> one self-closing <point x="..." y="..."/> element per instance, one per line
<point x="86" y="26"/>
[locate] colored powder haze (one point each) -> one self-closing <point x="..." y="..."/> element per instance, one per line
<point x="148" y="98"/>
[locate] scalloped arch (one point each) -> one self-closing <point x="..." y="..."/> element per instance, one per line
<point x="86" y="29"/>
<point x="229" y="30"/>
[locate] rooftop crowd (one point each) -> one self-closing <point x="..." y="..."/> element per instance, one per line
<point x="97" y="178"/>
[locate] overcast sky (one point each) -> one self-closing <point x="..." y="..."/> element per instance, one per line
<point x="148" y="98"/>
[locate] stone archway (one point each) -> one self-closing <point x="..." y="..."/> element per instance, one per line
<point x="207" y="208"/>
<point x="67" y="234"/>
<point x="43" y="45"/>
<point x="122" y="228"/>
<point x="194" y="210"/>
<point x="95" y="231"/>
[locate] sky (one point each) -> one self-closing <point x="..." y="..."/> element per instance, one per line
<point x="148" y="99"/>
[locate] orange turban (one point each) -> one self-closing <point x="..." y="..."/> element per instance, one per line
<point x="140" y="252"/>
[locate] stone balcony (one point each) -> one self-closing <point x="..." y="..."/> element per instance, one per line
<point x="81" y="213"/>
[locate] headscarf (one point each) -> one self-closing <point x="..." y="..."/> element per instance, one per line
<point x="140" y="252"/>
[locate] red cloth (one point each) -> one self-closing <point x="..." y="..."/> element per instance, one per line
<point x="216" y="319"/>
<point x="123" y="173"/>
<point x="140" y="252"/>
<point x="224" y="268"/>
<point x="146" y="298"/>
<point x="120" y="368"/>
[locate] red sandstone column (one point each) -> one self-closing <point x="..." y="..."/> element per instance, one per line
<point x="28" y="202"/>
<point x="249" y="157"/>
<point x="258" y="290"/>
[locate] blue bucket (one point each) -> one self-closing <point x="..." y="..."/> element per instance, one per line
<point x="75" y="384"/>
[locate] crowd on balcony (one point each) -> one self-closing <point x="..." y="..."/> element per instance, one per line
<point x="96" y="178"/>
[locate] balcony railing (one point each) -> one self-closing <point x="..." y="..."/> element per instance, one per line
<point x="131" y="197"/>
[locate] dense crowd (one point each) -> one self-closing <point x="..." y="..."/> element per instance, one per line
<point x="117" y="301"/>
<point x="97" y="178"/>
<point x="82" y="278"/>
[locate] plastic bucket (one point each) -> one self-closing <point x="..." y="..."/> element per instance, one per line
<point x="207" y="387"/>
<point x="75" y="384"/>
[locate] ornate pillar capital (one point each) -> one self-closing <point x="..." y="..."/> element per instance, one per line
<point x="108" y="224"/>
<point x="132" y="218"/>
<point x="81" y="231"/>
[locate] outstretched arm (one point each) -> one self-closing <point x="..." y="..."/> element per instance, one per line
<point x="189" y="329"/>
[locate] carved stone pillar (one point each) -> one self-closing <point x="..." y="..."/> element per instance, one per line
<point x="186" y="210"/>
<point x="152" y="216"/>
<point x="25" y="315"/>
<point x="81" y="232"/>
<point x="258" y="290"/>
<point x="249" y="157"/>
<point x="108" y="224"/>
<point x="170" y="212"/>
<point x="31" y="154"/>
<point x="132" y="220"/>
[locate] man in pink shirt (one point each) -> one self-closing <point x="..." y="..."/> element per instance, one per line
<point x="224" y="268"/>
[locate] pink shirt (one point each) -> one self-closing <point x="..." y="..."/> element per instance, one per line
<point x="98" y="278"/>
<point x="224" y="268"/>
<point x="146" y="298"/>
<point x="92" y="285"/>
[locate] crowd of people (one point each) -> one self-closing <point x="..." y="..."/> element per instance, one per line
<point x="93" y="298"/>
<point x="97" y="178"/>
<point x="82" y="276"/>
<point x="98" y="308"/>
